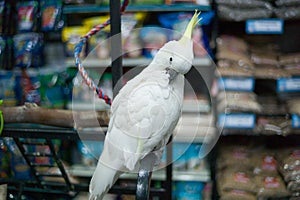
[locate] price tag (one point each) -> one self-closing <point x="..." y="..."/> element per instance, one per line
<point x="295" y="121"/>
<point x="288" y="85"/>
<point x="264" y="26"/>
<point x="240" y="121"/>
<point x="237" y="84"/>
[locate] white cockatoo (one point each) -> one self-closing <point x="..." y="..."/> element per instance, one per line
<point x="145" y="113"/>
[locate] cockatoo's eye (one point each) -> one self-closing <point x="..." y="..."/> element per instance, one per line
<point x="171" y="59"/>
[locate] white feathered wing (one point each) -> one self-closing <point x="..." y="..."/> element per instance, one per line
<point x="144" y="114"/>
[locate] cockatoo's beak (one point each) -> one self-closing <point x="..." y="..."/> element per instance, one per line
<point x="190" y="27"/>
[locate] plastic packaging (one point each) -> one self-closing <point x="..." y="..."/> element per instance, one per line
<point x="153" y="38"/>
<point x="4" y="161"/>
<point x="271" y="187"/>
<point x="28" y="50"/>
<point x="237" y="14"/>
<point x="238" y="179"/>
<point x="178" y="21"/>
<point x="291" y="12"/>
<point x="98" y="44"/>
<point x="53" y="87"/>
<point x="3" y="191"/>
<point x="294" y="105"/>
<point x="266" y="164"/>
<point x="287" y="2"/>
<point x="2" y="51"/>
<point x="51" y="14"/>
<point x="245" y="3"/>
<point x="132" y="45"/>
<point x="105" y="84"/>
<point x="70" y="37"/>
<point x="237" y="195"/>
<point x="27" y="87"/>
<point x="238" y="102"/>
<point x="9" y="54"/>
<point x="289" y="59"/>
<point x="19" y="167"/>
<point x="188" y="190"/>
<point x="233" y="54"/>
<point x="274" y="126"/>
<point x="90" y="151"/>
<point x="7" y="88"/>
<point x="27" y="16"/>
<point x="2" y="6"/>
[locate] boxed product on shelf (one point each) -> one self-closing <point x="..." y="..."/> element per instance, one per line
<point x="188" y="190"/>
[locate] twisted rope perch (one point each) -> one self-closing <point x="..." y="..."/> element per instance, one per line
<point x="78" y="49"/>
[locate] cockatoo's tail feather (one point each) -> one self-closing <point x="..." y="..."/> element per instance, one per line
<point x="103" y="179"/>
<point x="189" y="29"/>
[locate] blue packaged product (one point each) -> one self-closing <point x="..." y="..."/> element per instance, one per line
<point x="28" y="50"/>
<point x="19" y="167"/>
<point x="178" y="21"/>
<point x="188" y="190"/>
<point x="90" y="151"/>
<point x="2" y="51"/>
<point x="7" y="88"/>
<point x="193" y="159"/>
<point x="180" y="156"/>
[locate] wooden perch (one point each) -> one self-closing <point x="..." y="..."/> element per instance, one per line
<point x="31" y="113"/>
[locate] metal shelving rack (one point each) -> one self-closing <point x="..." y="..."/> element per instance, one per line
<point x="67" y="189"/>
<point x="73" y="9"/>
